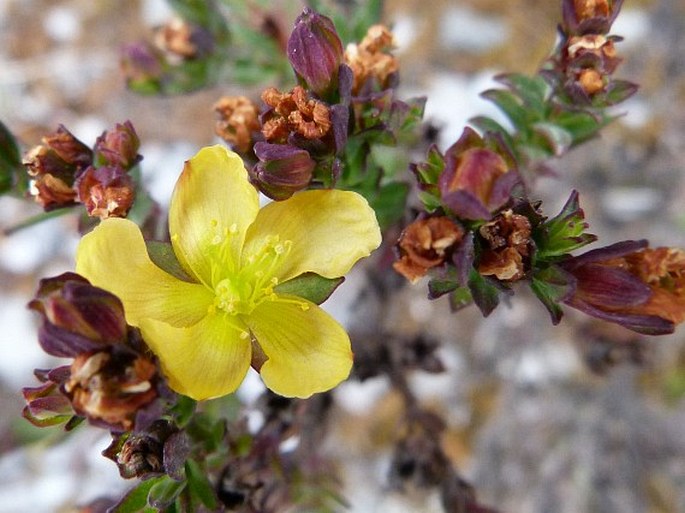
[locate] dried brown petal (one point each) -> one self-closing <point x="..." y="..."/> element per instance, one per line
<point x="111" y="387"/>
<point x="294" y="112"/>
<point x="424" y="244"/>
<point x="370" y="59"/>
<point x="507" y="246"/>
<point x="238" y="120"/>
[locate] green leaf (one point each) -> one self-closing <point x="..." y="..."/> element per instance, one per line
<point x="162" y="255"/>
<point x="486" y="124"/>
<point x="558" y="138"/>
<point x="581" y="125"/>
<point x="183" y="410"/>
<point x="533" y="90"/>
<point x="310" y="286"/>
<point x="389" y="203"/>
<point x="199" y="485"/>
<point x="10" y="162"/>
<point x="207" y="430"/>
<point x="135" y="500"/>
<point x="164" y="492"/>
<point x="511" y="105"/>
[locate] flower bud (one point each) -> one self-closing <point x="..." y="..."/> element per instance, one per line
<point x="54" y="165"/>
<point x="282" y="170"/>
<point x="109" y="387"/>
<point x="106" y="191"/>
<point x="142" y="65"/>
<point x="77" y="316"/>
<point x="149" y="452"/>
<point x="477" y="179"/>
<point x="118" y="147"/>
<point x="629" y="284"/>
<point x="315" y="51"/>
<point x="589" y="16"/>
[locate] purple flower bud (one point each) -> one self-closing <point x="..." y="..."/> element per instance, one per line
<point x="77" y="317"/>
<point x="282" y="170"/>
<point x="315" y="51"/>
<point x="118" y="147"/>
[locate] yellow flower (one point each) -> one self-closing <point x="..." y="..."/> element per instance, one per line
<point x="205" y="330"/>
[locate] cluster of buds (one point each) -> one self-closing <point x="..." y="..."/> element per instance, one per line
<point x="111" y="378"/>
<point x="480" y="234"/>
<point x="587" y="58"/>
<point x="66" y="172"/>
<point x="299" y="137"/>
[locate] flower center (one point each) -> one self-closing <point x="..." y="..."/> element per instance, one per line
<point x="240" y="286"/>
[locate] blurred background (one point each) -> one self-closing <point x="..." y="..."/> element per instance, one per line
<point x="541" y="418"/>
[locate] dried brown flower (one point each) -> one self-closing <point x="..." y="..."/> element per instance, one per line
<point x="238" y="120"/>
<point x="587" y="9"/>
<point x="370" y="59"/>
<point x="508" y="246"/>
<point x="424" y="245"/>
<point x="176" y="37"/>
<point x="111" y="387"/>
<point x="106" y="191"/>
<point x="294" y="112"/>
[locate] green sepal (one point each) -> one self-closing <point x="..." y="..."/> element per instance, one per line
<point x="563" y="233"/>
<point x="163" y="256"/>
<point x="484" y="291"/>
<point x="47" y="421"/>
<point x="309" y="286"/>
<point x="164" y="492"/>
<point x="136" y="499"/>
<point x="460" y="298"/>
<point x="199" y="486"/>
<point x="551" y="286"/>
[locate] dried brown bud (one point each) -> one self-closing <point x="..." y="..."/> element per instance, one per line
<point x="111" y="386"/>
<point x="238" y="120"/>
<point x="294" y="112"/>
<point x="182" y="40"/>
<point x="587" y="9"/>
<point x="507" y="246"/>
<point x="106" y="191"/>
<point x="424" y="244"/>
<point x="370" y="59"/>
<point x="591" y="81"/>
<point x="54" y="165"/>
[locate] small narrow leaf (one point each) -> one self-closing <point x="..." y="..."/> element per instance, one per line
<point x="510" y="104"/>
<point x="164" y="492"/>
<point x="162" y="255"/>
<point x="135" y="500"/>
<point x="199" y="485"/>
<point x="310" y="286"/>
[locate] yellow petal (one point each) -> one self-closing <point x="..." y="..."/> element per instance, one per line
<point x="113" y="256"/>
<point x="330" y="230"/>
<point x="207" y="360"/>
<point x="212" y="200"/>
<point x="307" y="350"/>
